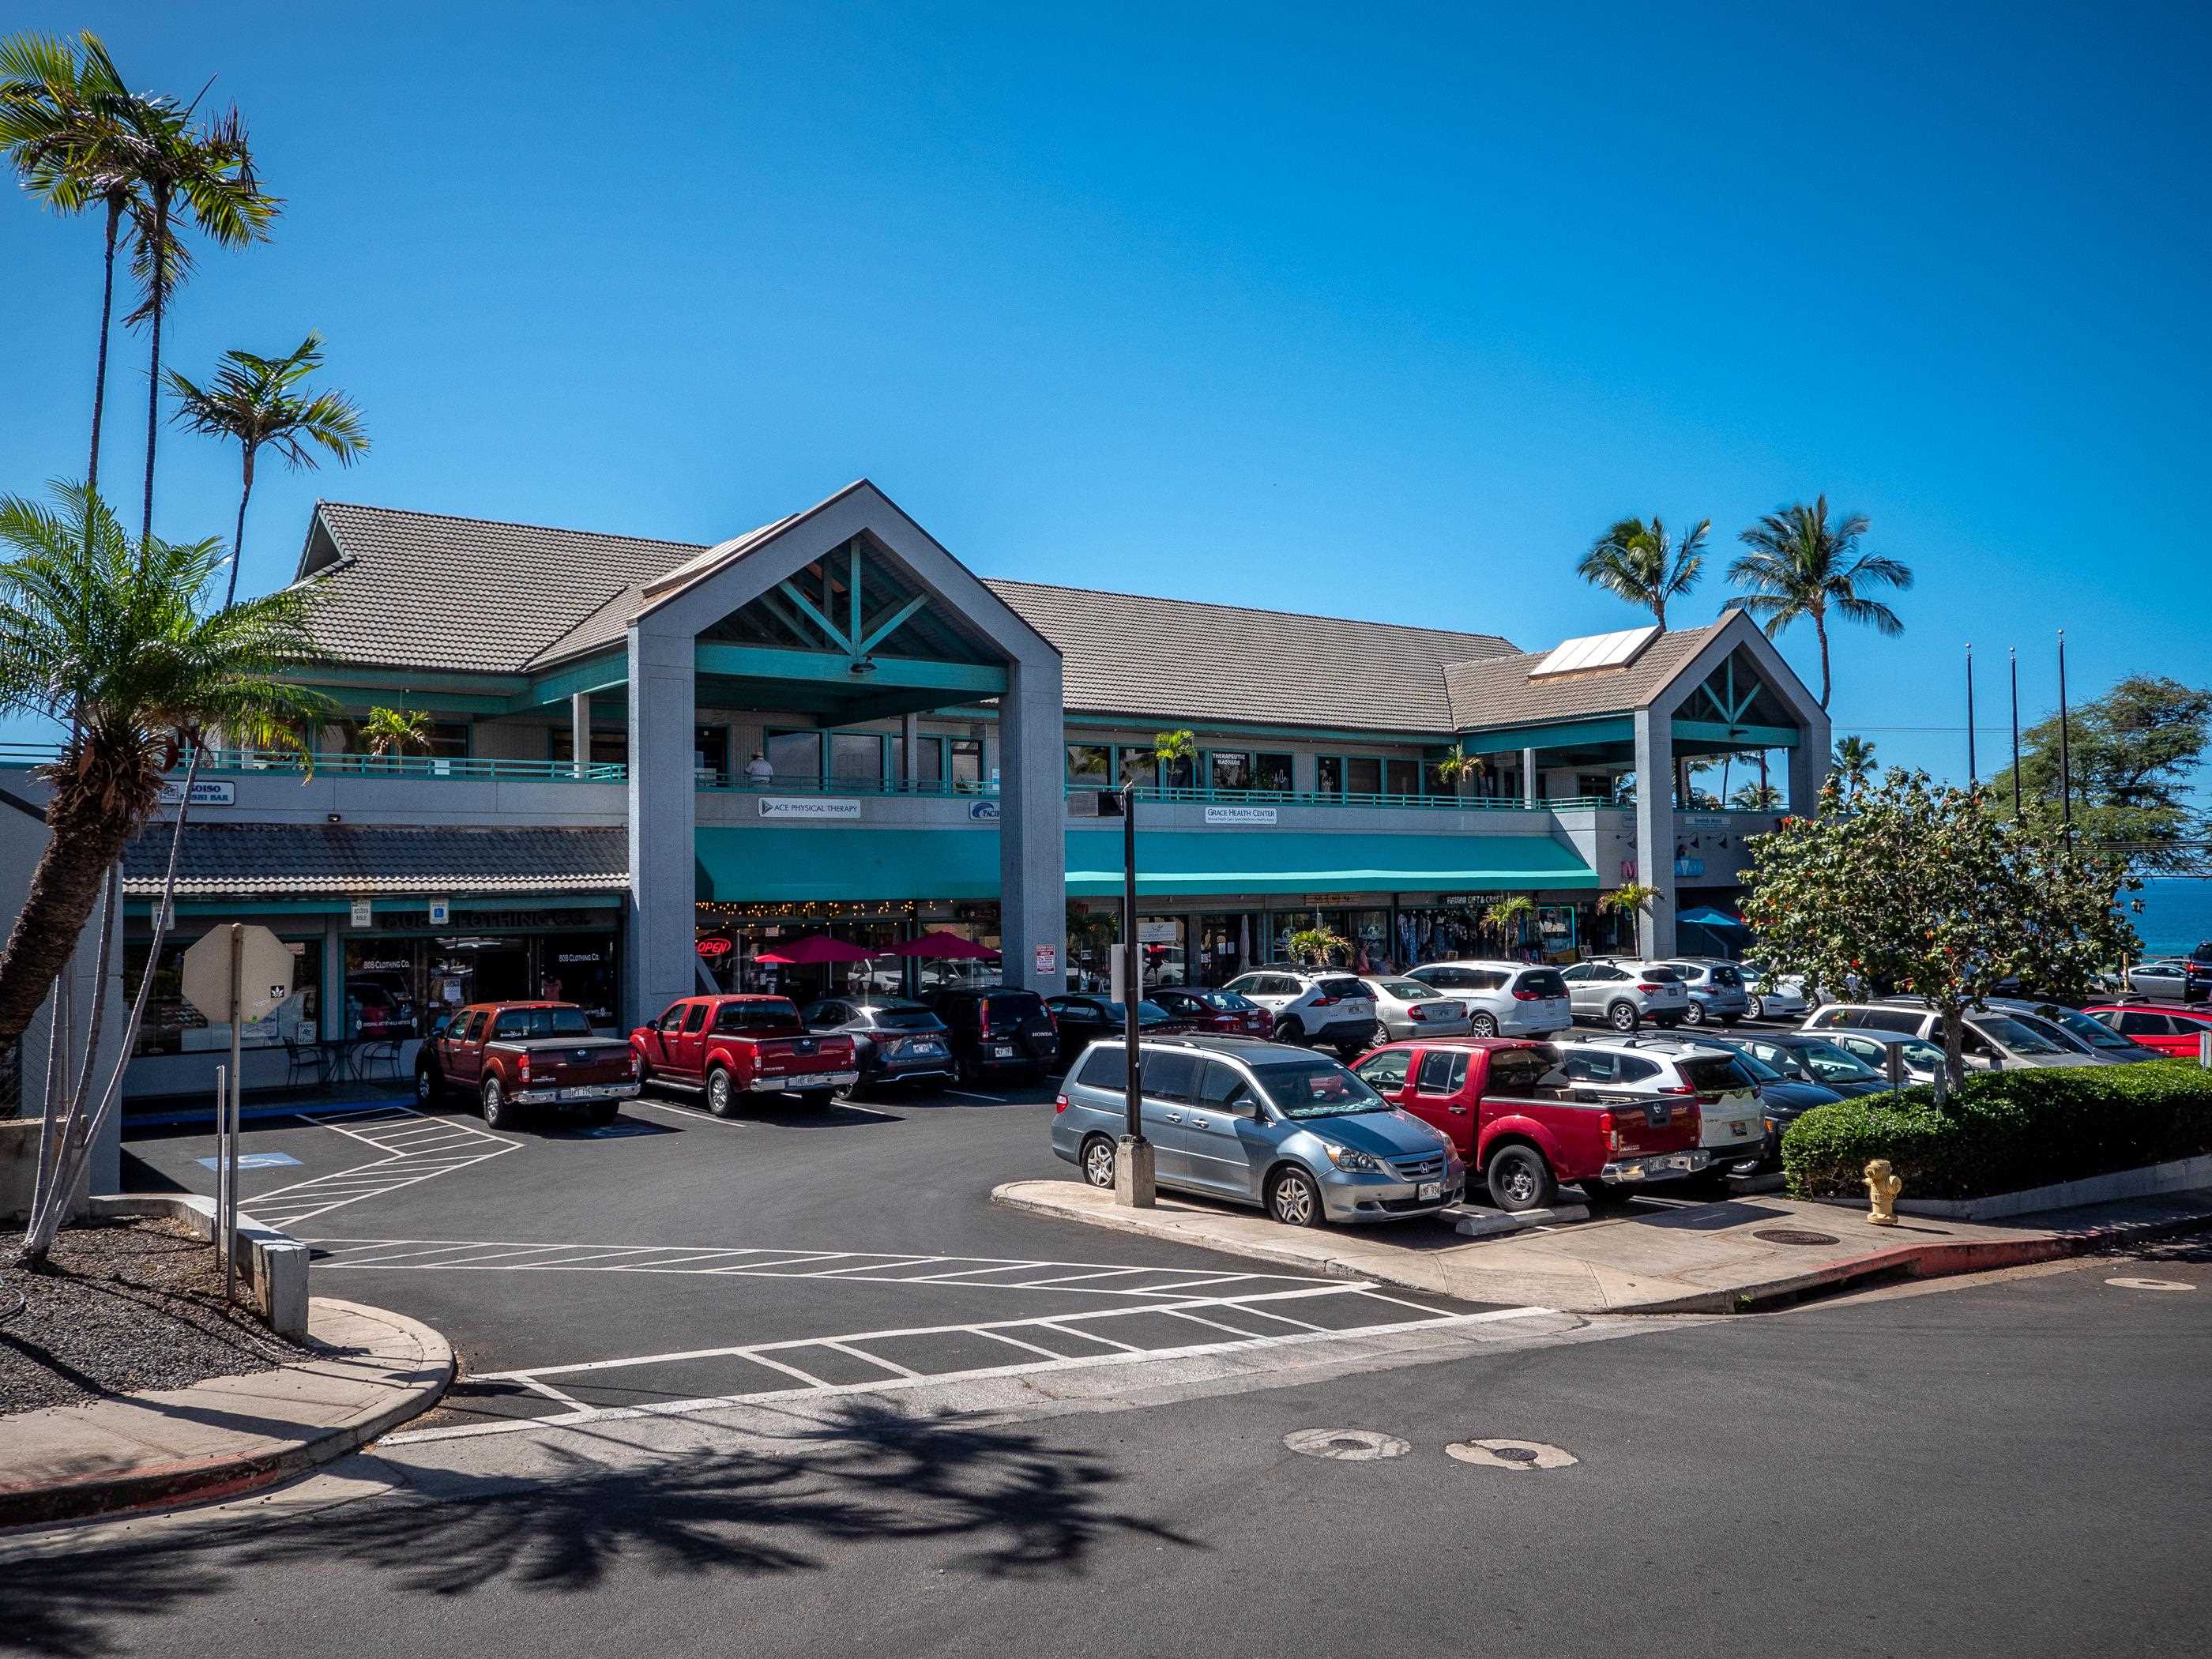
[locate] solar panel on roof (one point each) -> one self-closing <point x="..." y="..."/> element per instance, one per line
<point x="1596" y="651"/>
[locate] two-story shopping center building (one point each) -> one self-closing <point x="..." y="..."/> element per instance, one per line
<point x="653" y="766"/>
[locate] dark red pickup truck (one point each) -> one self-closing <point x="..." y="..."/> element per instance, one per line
<point x="1525" y="1125"/>
<point x="724" y="1047"/>
<point x="517" y="1056"/>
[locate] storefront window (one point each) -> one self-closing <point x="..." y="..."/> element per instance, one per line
<point x="928" y="762"/>
<point x="710" y="754"/>
<point x="1401" y="777"/>
<point x="610" y="745"/>
<point x="1273" y="772"/>
<point x="1232" y="772"/>
<point x="173" y="1025"/>
<point x="856" y="759"/>
<point x="580" y="967"/>
<point x="383" y="988"/>
<point x="1363" y="775"/>
<point x="796" y="756"/>
<point x="968" y="765"/>
<point x="1090" y="763"/>
<point x="1160" y="940"/>
<point x="1179" y="774"/>
<point x="1137" y="767"/>
<point x="1328" y="775"/>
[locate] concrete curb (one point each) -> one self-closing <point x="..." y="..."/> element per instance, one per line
<point x="417" y="1365"/>
<point x="1313" y="1260"/>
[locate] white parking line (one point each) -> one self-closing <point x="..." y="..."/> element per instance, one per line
<point x="995" y="1100"/>
<point x="417" y="1147"/>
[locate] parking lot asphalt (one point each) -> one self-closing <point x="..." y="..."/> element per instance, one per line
<point x="675" y="1257"/>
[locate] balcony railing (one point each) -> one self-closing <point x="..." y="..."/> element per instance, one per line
<point x="232" y="762"/>
<point x="1333" y="798"/>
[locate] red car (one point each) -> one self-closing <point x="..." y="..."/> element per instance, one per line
<point x="724" y="1047"/>
<point x="2167" y="1029"/>
<point x="517" y="1056"/>
<point x="1524" y="1127"/>
<point x="1225" y="1013"/>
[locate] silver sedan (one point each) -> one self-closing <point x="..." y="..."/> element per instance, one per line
<point x="1408" y="1009"/>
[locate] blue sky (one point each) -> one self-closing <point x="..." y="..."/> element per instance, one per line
<point x="1384" y="312"/>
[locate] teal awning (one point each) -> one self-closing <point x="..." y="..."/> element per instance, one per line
<point x="1173" y="861"/>
<point x="823" y="862"/>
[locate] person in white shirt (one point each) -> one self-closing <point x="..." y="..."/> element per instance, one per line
<point x="758" y="771"/>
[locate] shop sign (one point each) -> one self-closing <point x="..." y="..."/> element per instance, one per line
<point x="1160" y="931"/>
<point x="1689" y="866"/>
<point x="360" y="913"/>
<point x="1048" y="959"/>
<point x="983" y="812"/>
<point x="440" y="913"/>
<point x="1240" y="815"/>
<point x="206" y="791"/>
<point x="713" y="948"/>
<point x="807" y="806"/>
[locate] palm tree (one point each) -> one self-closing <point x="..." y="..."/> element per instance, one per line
<point x="1641" y="564"/>
<point x="1800" y="565"/>
<point x="1457" y="766"/>
<point x="113" y="641"/>
<point x="1626" y="901"/>
<point x="1174" y="749"/>
<point x="260" y="400"/>
<point x="1756" y="797"/>
<point x="388" y="732"/>
<point x="1508" y="915"/>
<point x="63" y="121"/>
<point x="1852" y="764"/>
<point x="205" y="175"/>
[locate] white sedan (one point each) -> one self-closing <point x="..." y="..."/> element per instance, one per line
<point x="1409" y="1009"/>
<point x="1782" y="997"/>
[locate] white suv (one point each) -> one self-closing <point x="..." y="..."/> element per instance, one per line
<point x="1335" y="1009"/>
<point x="1734" y="1121"/>
<point x="1503" y="999"/>
<point x="1622" y="992"/>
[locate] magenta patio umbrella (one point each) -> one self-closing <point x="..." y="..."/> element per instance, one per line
<point x="819" y="947"/>
<point x="940" y="944"/>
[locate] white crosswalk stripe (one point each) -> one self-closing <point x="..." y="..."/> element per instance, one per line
<point x="415" y="1148"/>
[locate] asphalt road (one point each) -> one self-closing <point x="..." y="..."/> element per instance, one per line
<point x="2011" y="1467"/>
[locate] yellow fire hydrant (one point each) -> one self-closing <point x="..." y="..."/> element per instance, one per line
<point x="1883" y="1187"/>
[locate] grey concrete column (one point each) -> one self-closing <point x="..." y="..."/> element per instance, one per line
<point x="910" y="744"/>
<point x="579" y="727"/>
<point x="1527" y="777"/>
<point x="1032" y="842"/>
<point x="1655" y="830"/>
<point x="663" y="815"/>
<point x="1809" y="764"/>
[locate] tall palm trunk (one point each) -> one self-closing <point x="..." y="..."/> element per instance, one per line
<point x="161" y="298"/>
<point x="83" y="842"/>
<point x="106" y="316"/>
<point x="1820" y="629"/>
<point x="238" y="541"/>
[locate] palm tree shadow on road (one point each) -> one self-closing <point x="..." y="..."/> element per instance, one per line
<point x="1010" y="1506"/>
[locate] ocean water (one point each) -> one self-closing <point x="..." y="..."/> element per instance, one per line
<point x="2176" y="913"/>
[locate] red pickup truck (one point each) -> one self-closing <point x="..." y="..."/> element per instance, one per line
<point x="515" y="1056"/>
<point x="724" y="1047"/>
<point x="1525" y="1126"/>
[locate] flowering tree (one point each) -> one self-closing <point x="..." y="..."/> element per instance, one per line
<point x="1917" y="888"/>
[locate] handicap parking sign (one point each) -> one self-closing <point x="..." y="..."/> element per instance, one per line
<point x="253" y="1161"/>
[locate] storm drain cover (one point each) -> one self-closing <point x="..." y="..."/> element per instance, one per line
<point x="1795" y="1236"/>
<point x="1510" y="1454"/>
<point x="1346" y="1445"/>
<point x="2150" y="1285"/>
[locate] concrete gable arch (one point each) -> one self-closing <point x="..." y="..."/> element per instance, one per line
<point x="662" y="644"/>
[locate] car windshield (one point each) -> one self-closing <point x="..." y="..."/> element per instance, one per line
<point x="1782" y="1062"/>
<point x="1315" y="1088"/>
<point x="1715" y="1073"/>
<point x="1407" y="990"/>
<point x="2082" y="1029"/>
<point x="769" y="1014"/>
<point x="1922" y="1056"/>
<point x="1829" y="1064"/>
<point x="1757" y="1067"/>
<point x="525" y="1024"/>
<point x="1659" y="975"/>
<point x="2020" y="1039"/>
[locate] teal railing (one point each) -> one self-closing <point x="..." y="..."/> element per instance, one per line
<point x="233" y="762"/>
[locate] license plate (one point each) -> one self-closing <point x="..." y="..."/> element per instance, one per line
<point x="927" y="1048"/>
<point x="1741" y="1131"/>
<point x="1431" y="1189"/>
<point x="1002" y="1050"/>
<point x="588" y="1091"/>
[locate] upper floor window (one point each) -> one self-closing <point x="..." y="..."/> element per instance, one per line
<point x="1230" y="770"/>
<point x="1272" y="772"/>
<point x="1091" y="764"/>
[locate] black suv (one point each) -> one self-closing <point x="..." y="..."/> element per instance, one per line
<point x="997" y="1029"/>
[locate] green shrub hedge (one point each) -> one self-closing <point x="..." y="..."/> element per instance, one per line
<point x="2005" y="1131"/>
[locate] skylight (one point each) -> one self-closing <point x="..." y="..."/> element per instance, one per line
<point x="1596" y="651"/>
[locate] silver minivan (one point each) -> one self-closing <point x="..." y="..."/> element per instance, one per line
<point x="1258" y="1123"/>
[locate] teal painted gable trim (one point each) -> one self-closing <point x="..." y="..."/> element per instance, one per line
<point x="1566" y="734"/>
<point x="823" y="862"/>
<point x="412" y="695"/>
<point x="1744" y="737"/>
<point x="413" y="680"/>
<point x="603" y="672"/>
<point x="765" y="662"/>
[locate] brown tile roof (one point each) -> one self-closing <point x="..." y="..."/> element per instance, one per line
<point x="1497" y="691"/>
<point x="332" y="858"/>
<point x="1183" y="659"/>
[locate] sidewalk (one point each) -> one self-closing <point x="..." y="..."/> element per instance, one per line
<point x="229" y="1433"/>
<point x="1709" y="1258"/>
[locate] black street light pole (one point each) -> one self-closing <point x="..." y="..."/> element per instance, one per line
<point x="1970" y="719"/>
<point x="2015" y="656"/>
<point x="2065" y="753"/>
<point x="1132" y="968"/>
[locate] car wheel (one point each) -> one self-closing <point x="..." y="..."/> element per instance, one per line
<point x="1695" y="1013"/>
<point x="1483" y="1026"/>
<point x="429" y="1086"/>
<point x="1098" y="1162"/>
<point x="1519" y="1179"/>
<point x="1622" y="1017"/>
<point x="497" y="1114"/>
<point x="1289" y="1032"/>
<point x="1754" y="1007"/>
<point x="1294" y="1200"/>
<point x="721" y="1093"/>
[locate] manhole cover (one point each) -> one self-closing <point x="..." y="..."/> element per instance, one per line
<point x="1795" y="1236"/>
<point x="1346" y="1445"/>
<point x="1510" y="1454"/>
<point x="2150" y="1285"/>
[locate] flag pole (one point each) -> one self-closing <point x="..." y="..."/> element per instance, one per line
<point x="1970" y="719"/>
<point x="2013" y="653"/>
